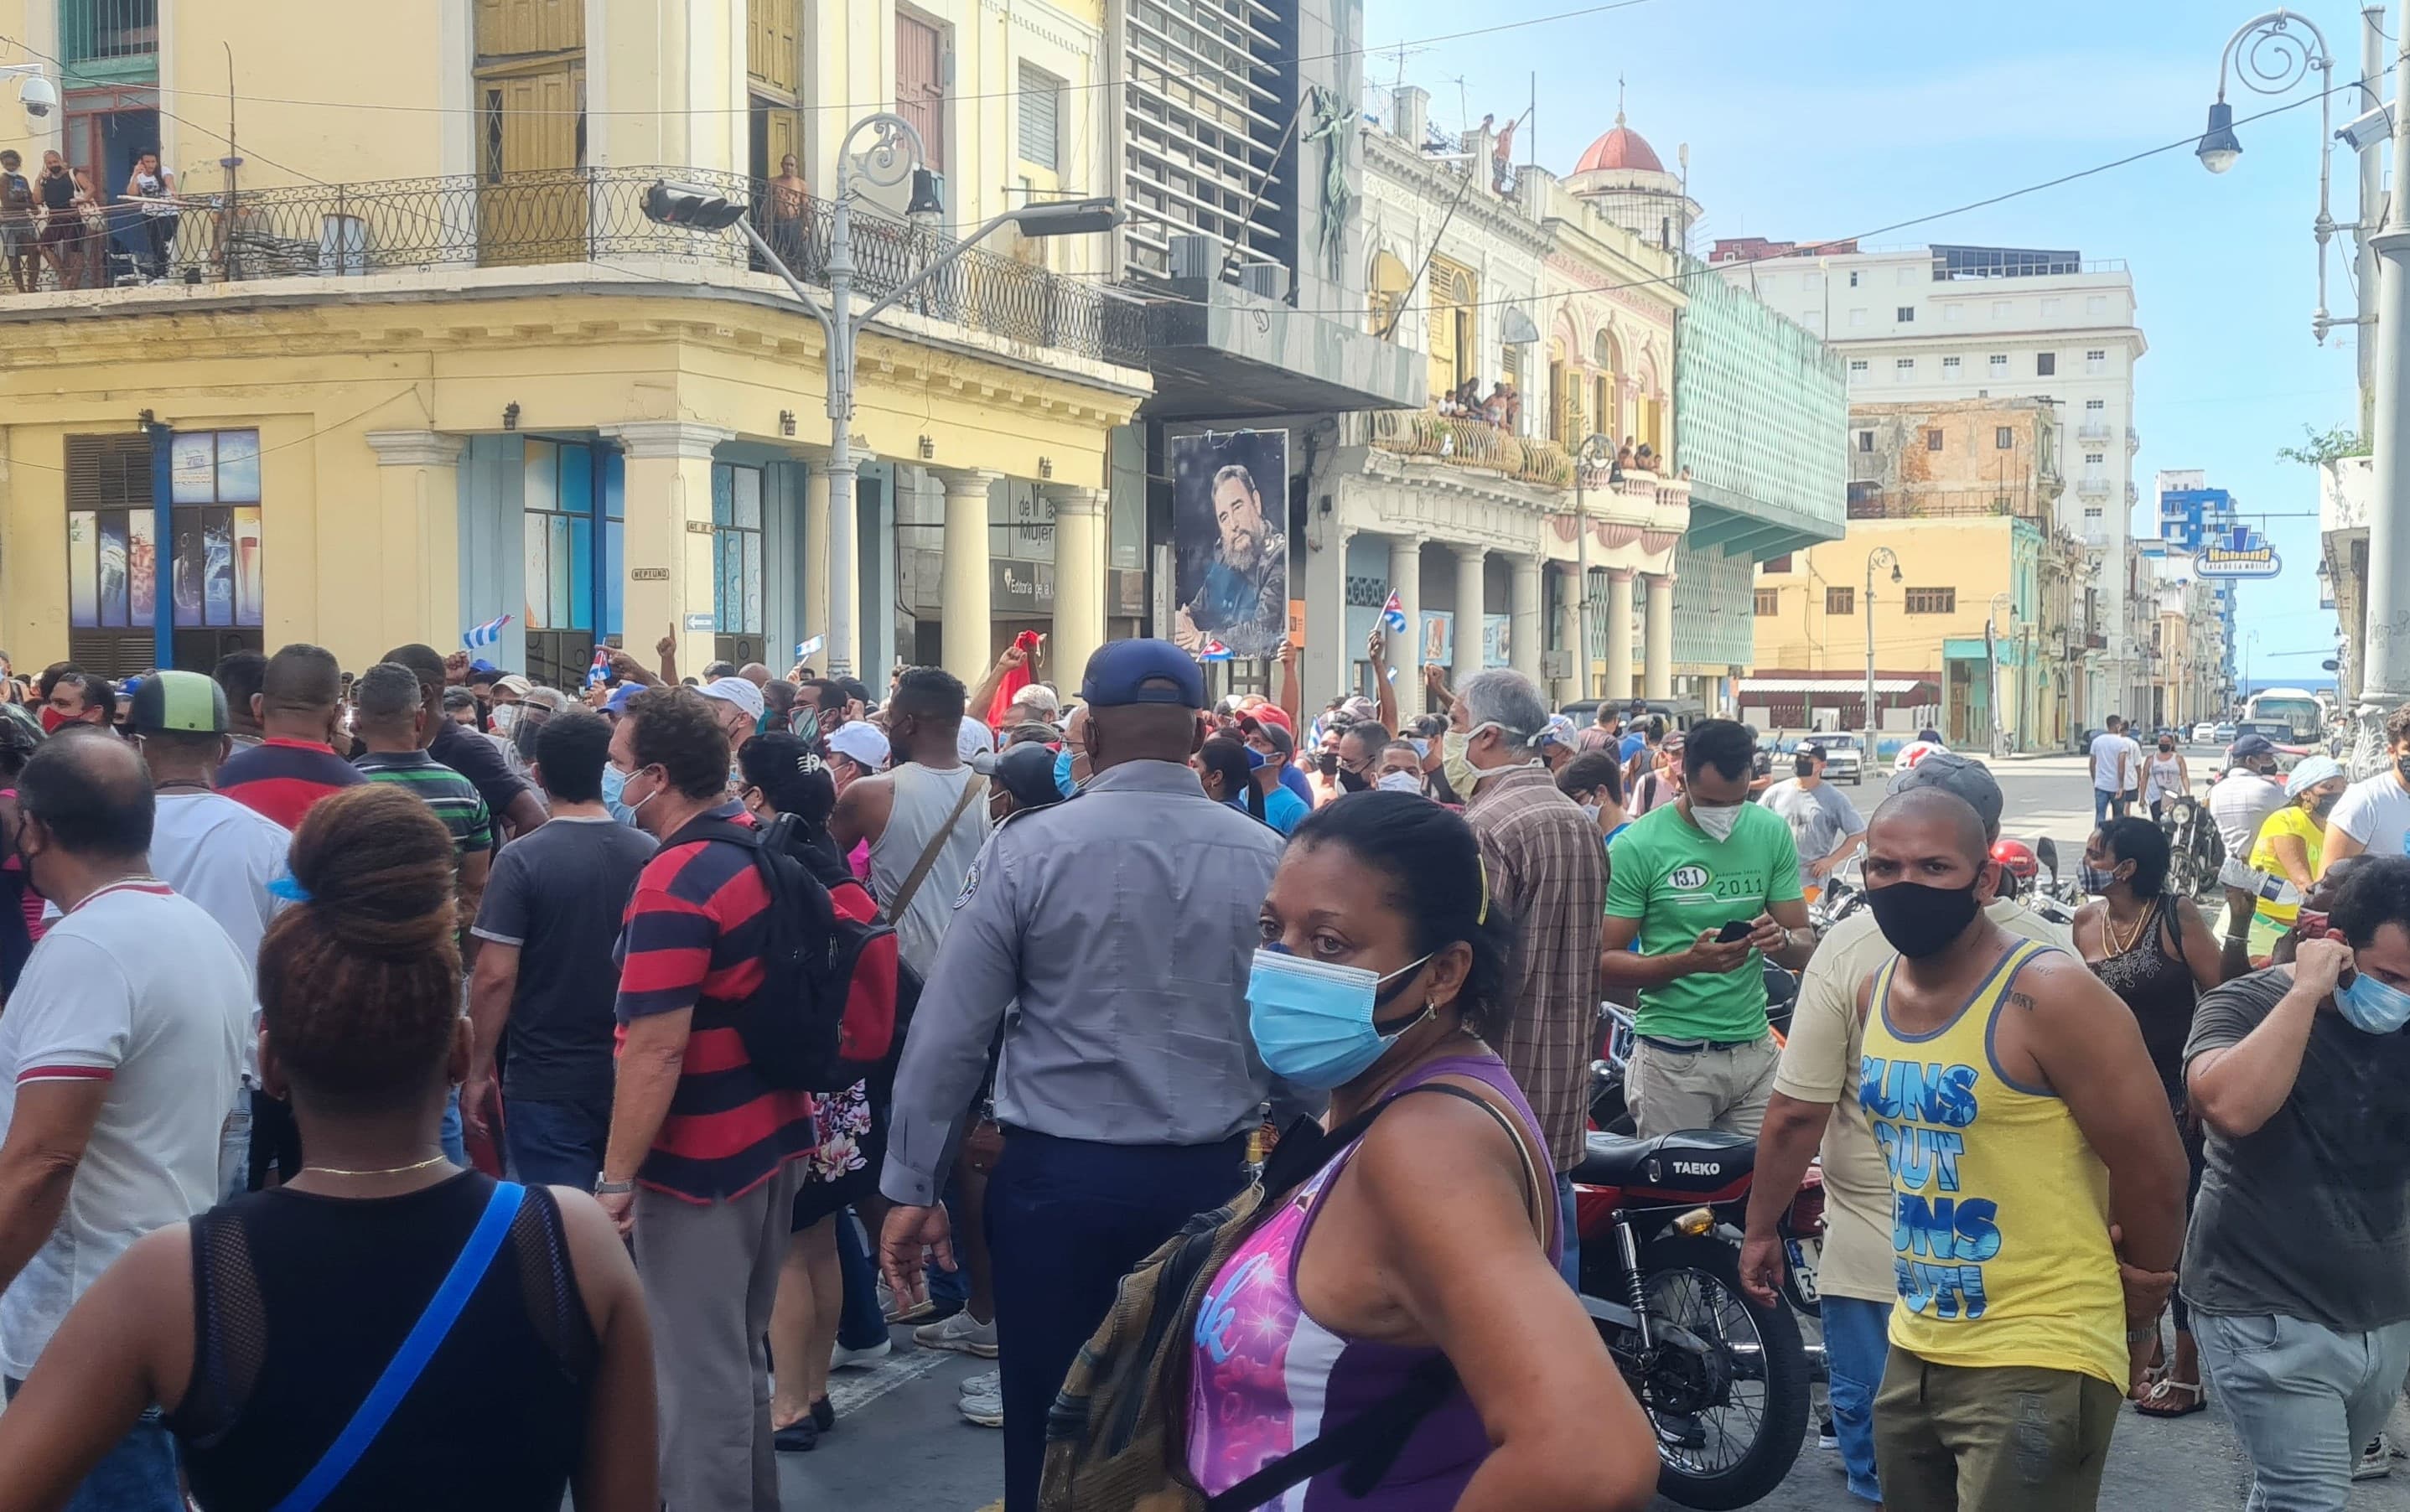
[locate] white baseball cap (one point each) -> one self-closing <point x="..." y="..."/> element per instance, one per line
<point x="738" y="692"/>
<point x="974" y="738"/>
<point x="859" y="742"/>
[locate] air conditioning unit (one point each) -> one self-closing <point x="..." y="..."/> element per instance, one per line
<point x="1265" y="280"/>
<point x="1195" y="255"/>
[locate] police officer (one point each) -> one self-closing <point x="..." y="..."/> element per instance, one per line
<point x="1124" y="925"/>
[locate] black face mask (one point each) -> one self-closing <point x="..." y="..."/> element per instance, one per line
<point x="1327" y="764"/>
<point x="2402" y="767"/>
<point x="1921" y="920"/>
<point x="1804" y="765"/>
<point x="1351" y="781"/>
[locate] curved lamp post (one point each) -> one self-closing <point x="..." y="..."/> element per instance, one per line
<point x="1879" y="556"/>
<point x="2268" y="56"/>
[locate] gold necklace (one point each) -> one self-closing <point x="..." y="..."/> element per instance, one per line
<point x="388" y="1171"/>
<point x="2108" y="928"/>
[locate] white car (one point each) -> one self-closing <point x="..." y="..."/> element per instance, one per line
<point x="2204" y="732"/>
<point x="2222" y="733"/>
<point x="1844" y="758"/>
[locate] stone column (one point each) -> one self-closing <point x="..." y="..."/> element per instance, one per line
<point x="667" y="550"/>
<point x="1569" y="632"/>
<point x="1406" y="645"/>
<point x="418" y="534"/>
<point x="1523" y="629"/>
<point x="816" y="560"/>
<point x="1657" y="647"/>
<point x="1469" y="603"/>
<point x="963" y="583"/>
<point x="1079" y="581"/>
<point x="1322" y="667"/>
<point x="1619" y="634"/>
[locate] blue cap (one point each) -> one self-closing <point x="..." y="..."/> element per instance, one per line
<point x="1142" y="672"/>
<point x="617" y="703"/>
<point x="2253" y="743"/>
<point x="481" y="664"/>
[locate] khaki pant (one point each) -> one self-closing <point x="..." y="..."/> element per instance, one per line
<point x="709" y="1271"/>
<point x="1670" y="1090"/>
<point x="2015" y="1438"/>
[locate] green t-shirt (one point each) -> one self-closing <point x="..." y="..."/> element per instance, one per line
<point x="1665" y="872"/>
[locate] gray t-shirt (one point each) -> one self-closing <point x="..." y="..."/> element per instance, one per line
<point x="2309" y="1217"/>
<point x="1819" y="818"/>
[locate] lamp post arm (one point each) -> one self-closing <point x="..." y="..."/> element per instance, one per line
<point x="952" y="256"/>
<point x="777" y="265"/>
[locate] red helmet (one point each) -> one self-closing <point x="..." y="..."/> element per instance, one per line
<point x="2018" y="859"/>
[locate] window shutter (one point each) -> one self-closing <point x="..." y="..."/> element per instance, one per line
<point x="1042" y="109"/>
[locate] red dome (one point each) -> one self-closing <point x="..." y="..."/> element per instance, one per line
<point x="1622" y="148"/>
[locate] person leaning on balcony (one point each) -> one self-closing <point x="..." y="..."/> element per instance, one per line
<point x="787" y="193"/>
<point x="155" y="188"/>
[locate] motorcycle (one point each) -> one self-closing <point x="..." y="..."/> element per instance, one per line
<point x="1608" y="1111"/>
<point x="2058" y="898"/>
<point x="2195" y="848"/>
<point x="1724" y="1381"/>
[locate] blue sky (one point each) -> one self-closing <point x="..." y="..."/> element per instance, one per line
<point x="1815" y="120"/>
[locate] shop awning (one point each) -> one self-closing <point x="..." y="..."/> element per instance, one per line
<point x="1835" y="684"/>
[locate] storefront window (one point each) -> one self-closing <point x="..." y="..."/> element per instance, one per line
<point x="213" y="488"/>
<point x="736" y="561"/>
<point x="571" y="529"/>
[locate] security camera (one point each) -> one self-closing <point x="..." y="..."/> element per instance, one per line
<point x="2370" y="130"/>
<point x="40" y="96"/>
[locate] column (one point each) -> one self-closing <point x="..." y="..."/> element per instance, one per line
<point x="1523" y="629"/>
<point x="1322" y="668"/>
<point x="667" y="550"/>
<point x="1619" y="634"/>
<point x="1657" y="647"/>
<point x="1406" y="645"/>
<point x="418" y="533"/>
<point x="1079" y="581"/>
<point x="1569" y="635"/>
<point x="816" y="560"/>
<point x="962" y="583"/>
<point x="1469" y="604"/>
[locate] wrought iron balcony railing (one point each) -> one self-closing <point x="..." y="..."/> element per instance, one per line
<point x="593" y="216"/>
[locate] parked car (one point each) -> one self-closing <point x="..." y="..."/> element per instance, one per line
<point x="2224" y="733"/>
<point x="2204" y="732"/>
<point x="1845" y="757"/>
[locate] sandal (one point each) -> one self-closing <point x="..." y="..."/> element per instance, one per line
<point x="2157" y="1402"/>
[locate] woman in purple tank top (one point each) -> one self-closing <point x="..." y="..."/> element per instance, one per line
<point x="1433" y="1233"/>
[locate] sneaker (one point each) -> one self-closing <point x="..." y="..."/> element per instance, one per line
<point x="959" y="1332"/>
<point x="985" y="1411"/>
<point x="989" y="1385"/>
<point x="2375" y="1460"/>
<point x="1825" y="1437"/>
<point x="840" y="1357"/>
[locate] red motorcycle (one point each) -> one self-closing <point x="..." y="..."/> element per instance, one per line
<point x="1724" y="1380"/>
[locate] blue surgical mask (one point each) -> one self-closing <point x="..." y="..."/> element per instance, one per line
<point x="1063" y="782"/>
<point x="2370" y="1006"/>
<point x="613" y="781"/>
<point x="1312" y="1020"/>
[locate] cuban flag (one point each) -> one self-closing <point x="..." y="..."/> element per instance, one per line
<point x="477" y="637"/>
<point x="809" y="647"/>
<point x="1393" y="615"/>
<point x="1214" y="651"/>
<point x="601" y="669"/>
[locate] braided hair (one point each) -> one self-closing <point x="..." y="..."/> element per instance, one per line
<point x="359" y="983"/>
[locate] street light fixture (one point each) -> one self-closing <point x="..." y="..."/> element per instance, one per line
<point x="2219" y="147"/>
<point x="1879" y="556"/>
<point x="2268" y="57"/>
<point x="894" y="154"/>
<point x="1596" y="450"/>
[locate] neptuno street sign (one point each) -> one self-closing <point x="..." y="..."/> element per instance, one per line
<point x="2258" y="560"/>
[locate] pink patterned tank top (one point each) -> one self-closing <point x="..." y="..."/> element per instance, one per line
<point x="1266" y="1378"/>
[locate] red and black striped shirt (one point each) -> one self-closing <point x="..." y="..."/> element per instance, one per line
<point x="283" y="778"/>
<point x="694" y="936"/>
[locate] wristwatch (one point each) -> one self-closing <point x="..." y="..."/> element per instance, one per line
<point x="613" y="1188"/>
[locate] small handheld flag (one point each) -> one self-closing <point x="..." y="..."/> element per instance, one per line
<point x="1214" y="651"/>
<point x="809" y="647"/>
<point x="601" y="670"/>
<point x="489" y="634"/>
<point x="1393" y="615"/>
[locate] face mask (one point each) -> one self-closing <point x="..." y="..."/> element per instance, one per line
<point x="1400" y="783"/>
<point x="1804" y="765"/>
<point x="2401" y="768"/>
<point x="1313" y="1020"/>
<point x="1063" y="783"/>
<point x="1455" y="765"/>
<point x="2323" y="805"/>
<point x="1922" y="921"/>
<point x="638" y="807"/>
<point x="613" y="782"/>
<point x="1422" y="748"/>
<point x="1716" y="819"/>
<point x="806" y="725"/>
<point x="2373" y="1006"/>
<point x="505" y="715"/>
<point x="2095" y="881"/>
<point x="1590" y="812"/>
<point x="1327" y="764"/>
<point x="51" y="719"/>
<point x="1351" y="781"/>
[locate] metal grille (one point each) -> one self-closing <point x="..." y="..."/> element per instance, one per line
<point x="596" y="216"/>
<point x="94" y="29"/>
<point x="1200" y="129"/>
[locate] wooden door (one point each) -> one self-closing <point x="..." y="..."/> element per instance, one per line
<point x="531" y="201"/>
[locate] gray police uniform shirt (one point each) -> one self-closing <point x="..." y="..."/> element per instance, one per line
<point x="1123" y="922"/>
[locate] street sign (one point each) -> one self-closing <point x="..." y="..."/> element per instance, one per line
<point x="2255" y="558"/>
<point x="698" y="624"/>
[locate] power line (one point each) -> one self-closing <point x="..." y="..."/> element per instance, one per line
<point x="348" y="420"/>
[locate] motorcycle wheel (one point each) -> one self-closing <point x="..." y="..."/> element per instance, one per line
<point x="1729" y="1419"/>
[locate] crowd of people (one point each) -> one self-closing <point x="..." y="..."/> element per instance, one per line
<point x="62" y="220"/>
<point x="381" y="977"/>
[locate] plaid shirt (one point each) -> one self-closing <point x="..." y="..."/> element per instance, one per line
<point x="1549" y="870"/>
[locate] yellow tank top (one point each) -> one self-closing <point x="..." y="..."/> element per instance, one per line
<point x="1999" y="1208"/>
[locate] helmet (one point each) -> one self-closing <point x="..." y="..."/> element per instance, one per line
<point x="2017" y="858"/>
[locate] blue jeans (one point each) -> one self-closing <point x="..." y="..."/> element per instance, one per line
<point x="2102" y="801"/>
<point x="1570" y="1266"/>
<point x="861" y="1325"/>
<point x="138" y="1475"/>
<point x="554" y="1143"/>
<point x="449" y="1137"/>
<point x="2302" y="1399"/>
<point x="234" y="1149"/>
<point x="1857" y="1345"/>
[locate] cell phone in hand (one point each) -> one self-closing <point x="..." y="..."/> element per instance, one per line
<point x="1735" y="931"/>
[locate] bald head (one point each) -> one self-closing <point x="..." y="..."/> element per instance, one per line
<point x="1938" y="815"/>
<point x="92" y="794"/>
<point x="1930" y="837"/>
<point x="1140" y="732"/>
<point x="755" y="673"/>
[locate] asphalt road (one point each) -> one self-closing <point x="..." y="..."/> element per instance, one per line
<point x="900" y="1443"/>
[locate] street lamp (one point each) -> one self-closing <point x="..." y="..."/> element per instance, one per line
<point x="894" y="154"/>
<point x="1879" y="556"/>
<point x="1594" y="451"/>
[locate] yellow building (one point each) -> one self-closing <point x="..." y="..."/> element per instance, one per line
<point x="421" y="359"/>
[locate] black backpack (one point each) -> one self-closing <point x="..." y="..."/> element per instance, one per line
<point x="835" y="996"/>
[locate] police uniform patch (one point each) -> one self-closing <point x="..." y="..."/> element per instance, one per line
<point x="970" y="885"/>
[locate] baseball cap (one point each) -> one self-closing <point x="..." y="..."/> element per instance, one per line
<point x="1142" y="672"/>
<point x="1272" y="714"/>
<point x="1810" y="749"/>
<point x="515" y="684"/>
<point x="481" y="664"/>
<point x="738" y="692"/>
<point x="973" y="738"/>
<point x="1958" y="775"/>
<point x="861" y="742"/>
<point x="1027" y="772"/>
<point x="1357" y="709"/>
<point x="2252" y="745"/>
<point x="186" y="702"/>
<point x="1278" y="737"/>
<point x="1558" y="731"/>
<point x="619" y="696"/>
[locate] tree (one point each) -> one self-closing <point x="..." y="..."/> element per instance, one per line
<point x="2322" y="447"/>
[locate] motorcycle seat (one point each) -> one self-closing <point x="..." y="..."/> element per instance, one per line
<point x="1702" y="1159"/>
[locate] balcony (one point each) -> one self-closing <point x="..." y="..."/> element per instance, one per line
<point x="2096" y="432"/>
<point x="2092" y="486"/>
<point x="596" y="217"/>
<point x="2133" y="495"/>
<point x="1462" y="441"/>
<point x="109" y="40"/>
<point x="2133" y="441"/>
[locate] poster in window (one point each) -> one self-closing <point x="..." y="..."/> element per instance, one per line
<point x="250" y="597"/>
<point x="539" y="573"/>
<point x="217" y="550"/>
<point x="193" y="468"/>
<point x="112" y="571"/>
<point x="1229" y="504"/>
<point x="83" y="569"/>
<point x="238" y="467"/>
<point x="142" y="567"/>
<point x="186" y="574"/>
